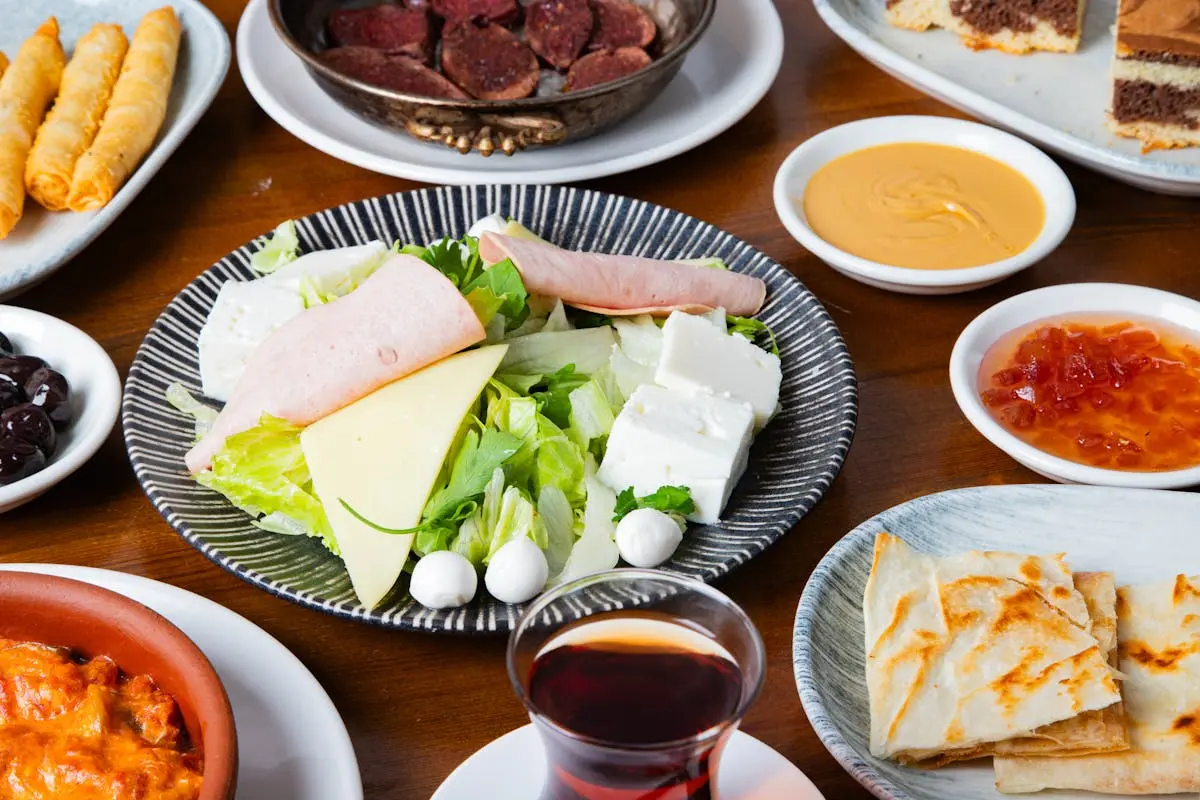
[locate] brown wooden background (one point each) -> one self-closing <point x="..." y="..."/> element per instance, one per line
<point x="416" y="705"/>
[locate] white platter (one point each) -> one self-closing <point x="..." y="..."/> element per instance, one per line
<point x="514" y="767"/>
<point x="1060" y="101"/>
<point x="1139" y="535"/>
<point x="723" y="77"/>
<point x="44" y="241"/>
<point x="95" y="395"/>
<point x="291" y="741"/>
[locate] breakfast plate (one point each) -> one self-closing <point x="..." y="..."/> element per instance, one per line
<point x="95" y="395"/>
<point x="1059" y="101"/>
<point x="723" y="77"/>
<point x="790" y="465"/>
<point x="43" y="241"/>
<point x="513" y="766"/>
<point x="291" y="741"/>
<point x="1141" y="536"/>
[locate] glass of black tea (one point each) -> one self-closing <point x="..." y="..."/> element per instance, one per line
<point x="635" y="680"/>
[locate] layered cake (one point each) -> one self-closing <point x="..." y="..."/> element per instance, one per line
<point x="1014" y="26"/>
<point x="1156" y="72"/>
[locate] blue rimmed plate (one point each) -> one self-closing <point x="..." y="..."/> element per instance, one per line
<point x="792" y="464"/>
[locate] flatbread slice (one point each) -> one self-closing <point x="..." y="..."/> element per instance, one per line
<point x="975" y="648"/>
<point x="1158" y="626"/>
<point x="1101" y="731"/>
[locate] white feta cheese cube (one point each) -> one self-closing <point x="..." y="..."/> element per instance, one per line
<point x="243" y="316"/>
<point x="697" y="357"/>
<point x="667" y="438"/>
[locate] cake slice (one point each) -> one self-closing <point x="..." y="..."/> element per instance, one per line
<point x="1014" y="26"/>
<point x="1156" y="73"/>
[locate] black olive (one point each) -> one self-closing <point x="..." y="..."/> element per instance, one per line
<point x="19" y="368"/>
<point x="31" y="424"/>
<point x="6" y="348"/>
<point x="49" y="389"/>
<point x="11" y="393"/>
<point x="18" y="459"/>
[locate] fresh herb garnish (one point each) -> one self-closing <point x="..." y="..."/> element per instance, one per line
<point x="668" y="499"/>
<point x="553" y="394"/>
<point x="754" y="330"/>
<point x="499" y="290"/>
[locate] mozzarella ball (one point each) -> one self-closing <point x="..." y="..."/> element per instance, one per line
<point x="493" y="223"/>
<point x="647" y="537"/>
<point x="517" y="572"/>
<point x="443" y="579"/>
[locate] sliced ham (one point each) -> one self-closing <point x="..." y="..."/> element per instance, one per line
<point x="404" y="317"/>
<point x="624" y="285"/>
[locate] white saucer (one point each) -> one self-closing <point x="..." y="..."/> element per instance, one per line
<point x="513" y="768"/>
<point x="291" y="741"/>
<point x="726" y="74"/>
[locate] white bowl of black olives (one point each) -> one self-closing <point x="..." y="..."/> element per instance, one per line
<point x="59" y="398"/>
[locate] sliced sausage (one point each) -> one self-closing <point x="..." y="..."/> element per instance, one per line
<point x="396" y="72"/>
<point x="387" y="27"/>
<point x="621" y="24"/>
<point x="502" y="12"/>
<point x="558" y="30"/>
<point x="489" y="63"/>
<point x="604" y="66"/>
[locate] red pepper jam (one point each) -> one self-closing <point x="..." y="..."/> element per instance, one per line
<point x="1118" y="396"/>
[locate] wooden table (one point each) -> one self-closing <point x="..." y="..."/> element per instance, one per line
<point x="416" y="705"/>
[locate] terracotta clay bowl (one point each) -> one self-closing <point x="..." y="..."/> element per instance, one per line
<point x="488" y="126"/>
<point x="91" y="621"/>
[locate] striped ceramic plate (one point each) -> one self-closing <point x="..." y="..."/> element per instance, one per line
<point x="792" y="464"/>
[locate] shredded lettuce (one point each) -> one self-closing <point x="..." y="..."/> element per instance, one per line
<point x="280" y="249"/>
<point x="627" y="373"/>
<point x="557" y="321"/>
<point x="263" y="472"/>
<point x="712" y="262"/>
<point x="182" y="400"/>
<point x="545" y="353"/>
<point x="591" y="413"/>
<point x="559" y="520"/>
<point x="640" y="338"/>
<point x="596" y="550"/>
<point x="330" y="286"/>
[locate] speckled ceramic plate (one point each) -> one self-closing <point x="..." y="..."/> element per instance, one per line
<point x="1139" y="535"/>
<point x="792" y="463"/>
<point x="44" y="241"/>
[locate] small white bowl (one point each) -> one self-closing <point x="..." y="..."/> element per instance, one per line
<point x="95" y="394"/>
<point x="1056" y="304"/>
<point x="1047" y="177"/>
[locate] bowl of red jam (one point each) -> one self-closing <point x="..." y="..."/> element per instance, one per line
<point x="1088" y="383"/>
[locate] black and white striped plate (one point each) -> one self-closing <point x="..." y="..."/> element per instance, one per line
<point x="792" y="464"/>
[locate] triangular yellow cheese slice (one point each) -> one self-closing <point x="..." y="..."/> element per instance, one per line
<point x="382" y="455"/>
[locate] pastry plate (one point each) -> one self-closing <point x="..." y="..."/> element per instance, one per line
<point x="1140" y="535"/>
<point x="791" y="465"/>
<point x="44" y="241"/>
<point x="723" y="77"/>
<point x="291" y="741"/>
<point x="514" y="766"/>
<point x="1060" y="101"/>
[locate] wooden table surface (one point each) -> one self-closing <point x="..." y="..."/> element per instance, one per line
<point x="416" y="705"/>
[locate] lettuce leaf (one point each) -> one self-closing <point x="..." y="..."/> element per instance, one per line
<point x="754" y="330"/>
<point x="545" y="353"/>
<point x="329" y="287"/>
<point x="280" y="249"/>
<point x="591" y="414"/>
<point x="182" y="400"/>
<point x="263" y="472"/>
<point x="499" y="290"/>
<point x="595" y="550"/>
<point x="559" y="520"/>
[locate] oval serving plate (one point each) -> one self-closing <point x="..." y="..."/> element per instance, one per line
<point x="792" y="463"/>
<point x="1139" y="535"/>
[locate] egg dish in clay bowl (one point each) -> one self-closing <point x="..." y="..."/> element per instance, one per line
<point x="923" y="205"/>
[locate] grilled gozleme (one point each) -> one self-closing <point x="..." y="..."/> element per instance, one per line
<point x="1159" y="634"/>
<point x="977" y="648"/>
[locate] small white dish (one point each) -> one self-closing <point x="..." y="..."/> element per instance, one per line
<point x="1062" y="303"/>
<point x="514" y="767"/>
<point x="95" y="394"/>
<point x="292" y="742"/>
<point x="43" y="241"/>
<point x="722" y="79"/>
<point x="1046" y="176"/>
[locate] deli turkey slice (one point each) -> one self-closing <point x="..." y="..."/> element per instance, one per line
<point x="975" y="648"/>
<point x="624" y="285"/>
<point x="406" y="316"/>
<point x="1158" y="627"/>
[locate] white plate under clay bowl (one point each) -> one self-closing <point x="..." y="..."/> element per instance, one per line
<point x="723" y="77"/>
<point x="291" y="741"/>
<point x="514" y="767"/>
<point x="1140" y="536"/>
<point x="1059" y="100"/>
<point x="44" y="241"/>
